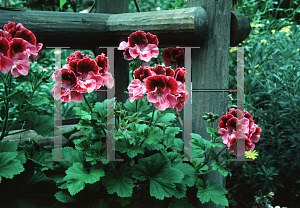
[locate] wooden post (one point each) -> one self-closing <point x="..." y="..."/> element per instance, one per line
<point x="121" y="65"/>
<point x="210" y="71"/>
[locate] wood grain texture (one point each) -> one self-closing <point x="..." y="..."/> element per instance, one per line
<point x="210" y="71"/>
<point x="121" y="65"/>
<point x="185" y="27"/>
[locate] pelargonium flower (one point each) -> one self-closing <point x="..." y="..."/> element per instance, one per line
<point x="160" y="91"/>
<point x="22" y="46"/>
<point x="5" y="62"/>
<point x="136" y="90"/>
<point x="180" y="74"/>
<point x="173" y="57"/>
<point x="143" y="72"/>
<point x="140" y="44"/>
<point x="80" y="75"/>
<point x="182" y="95"/>
<point x="230" y="129"/>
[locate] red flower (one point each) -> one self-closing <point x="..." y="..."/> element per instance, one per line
<point x="140" y="44"/>
<point x="173" y="57"/>
<point x="180" y="74"/>
<point x="160" y="89"/>
<point x="17" y="45"/>
<point x="142" y="72"/>
<point x="80" y="75"/>
<point x="230" y="127"/>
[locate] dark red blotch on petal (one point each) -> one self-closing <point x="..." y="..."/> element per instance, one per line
<point x="159" y="70"/>
<point x="17" y="45"/>
<point x="84" y="66"/>
<point x="4" y="46"/>
<point x="152" y="39"/>
<point x="26" y="35"/>
<point x="142" y="72"/>
<point x="156" y="81"/>
<point x="170" y="72"/>
<point x="138" y="38"/>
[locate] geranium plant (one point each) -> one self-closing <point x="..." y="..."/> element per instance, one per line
<point x="149" y="170"/>
<point x="18" y="45"/>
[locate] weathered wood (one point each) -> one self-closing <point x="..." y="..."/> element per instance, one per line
<point x="120" y="64"/>
<point x="239" y="28"/>
<point x="182" y="27"/>
<point x="210" y="71"/>
<point x="42" y="141"/>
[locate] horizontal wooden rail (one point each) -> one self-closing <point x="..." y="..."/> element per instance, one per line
<point x="187" y="27"/>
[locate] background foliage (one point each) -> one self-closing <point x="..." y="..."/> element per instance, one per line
<point x="271" y="93"/>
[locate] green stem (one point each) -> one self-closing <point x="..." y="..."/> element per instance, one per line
<point x="87" y="102"/>
<point x="152" y="116"/>
<point x="205" y="161"/>
<point x="6" y="108"/>
<point x="21" y="112"/>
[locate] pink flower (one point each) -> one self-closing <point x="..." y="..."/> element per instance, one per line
<point x="5" y="62"/>
<point x="160" y="89"/>
<point x="182" y="95"/>
<point x="140" y="44"/>
<point x="230" y="127"/>
<point x="144" y="52"/>
<point x="136" y="90"/>
<point x="21" y="64"/>
<point x="80" y="75"/>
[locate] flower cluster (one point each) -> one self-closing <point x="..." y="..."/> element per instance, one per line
<point x="140" y="44"/>
<point x="81" y="74"/>
<point x="173" y="57"/>
<point x="17" y="46"/>
<point x="228" y="129"/>
<point x="165" y="87"/>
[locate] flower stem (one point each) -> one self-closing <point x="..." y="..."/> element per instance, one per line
<point x="6" y="108"/>
<point x="21" y="112"/>
<point x="152" y="116"/>
<point x="179" y="118"/>
<point x="87" y="102"/>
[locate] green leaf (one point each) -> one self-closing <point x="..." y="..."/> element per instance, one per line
<point x="217" y="144"/>
<point x="162" y="177"/>
<point x="142" y="106"/>
<point x="45" y="126"/>
<point x="222" y="170"/>
<point x="211" y="191"/>
<point x="172" y="130"/>
<point x="68" y="153"/>
<point x="120" y="183"/>
<point x="31" y="117"/>
<point x="210" y="130"/>
<point x="130" y="106"/>
<point x="167" y="119"/>
<point x="154" y="135"/>
<point x="199" y="145"/>
<point x="84" y="115"/>
<point x="9" y="166"/>
<point x="95" y="152"/>
<point x="180" y="190"/>
<point x="64" y="197"/>
<point x="61" y="3"/>
<point x="8" y="146"/>
<point x="39" y="101"/>
<point x="180" y="203"/>
<point x="77" y="177"/>
<point x="188" y="171"/>
<point x="124" y="146"/>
